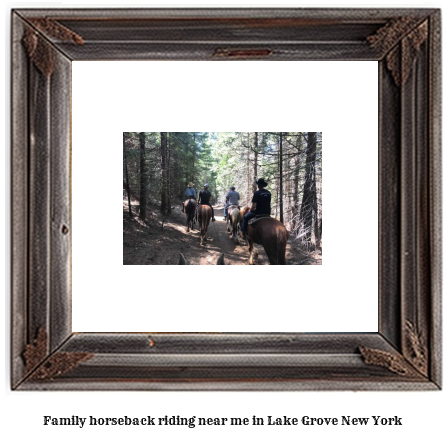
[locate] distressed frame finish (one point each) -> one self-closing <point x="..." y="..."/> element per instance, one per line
<point x="405" y="354"/>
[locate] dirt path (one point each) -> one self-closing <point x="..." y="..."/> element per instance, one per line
<point x="158" y="242"/>
<point x="219" y="241"/>
<point x="148" y="243"/>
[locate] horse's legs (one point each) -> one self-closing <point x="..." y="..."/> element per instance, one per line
<point x="201" y="230"/>
<point x="277" y="256"/>
<point x="235" y="235"/>
<point x="282" y="257"/>
<point x="281" y="249"/>
<point x="202" y="235"/>
<point x="273" y="257"/>
<point x="251" y="250"/>
<point x="234" y="231"/>
<point x="275" y="248"/>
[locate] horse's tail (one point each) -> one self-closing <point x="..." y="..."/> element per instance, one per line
<point x="235" y="219"/>
<point x="235" y="215"/>
<point x="282" y="236"/>
<point x="190" y="210"/>
<point x="204" y="214"/>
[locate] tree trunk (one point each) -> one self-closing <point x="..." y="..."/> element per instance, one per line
<point x="277" y="201"/>
<point x="295" y="194"/>
<point x="281" y="195"/>
<point x="316" y="219"/>
<point x="143" y="176"/>
<point x="255" y="163"/>
<point x="296" y="178"/>
<point x="165" y="207"/>
<point x="168" y="175"/>
<point x="125" y="137"/>
<point x="307" y="207"/>
<point x="194" y="149"/>
<point x="249" y="198"/>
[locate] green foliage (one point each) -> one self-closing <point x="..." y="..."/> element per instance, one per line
<point x="223" y="159"/>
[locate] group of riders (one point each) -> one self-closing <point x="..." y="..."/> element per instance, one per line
<point x="261" y="201"/>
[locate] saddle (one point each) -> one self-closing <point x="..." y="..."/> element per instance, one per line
<point x="230" y="207"/>
<point x="257" y="218"/>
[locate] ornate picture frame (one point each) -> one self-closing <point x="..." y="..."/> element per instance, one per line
<point x="405" y="353"/>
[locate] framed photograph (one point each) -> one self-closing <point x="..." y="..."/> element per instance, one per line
<point x="281" y="170"/>
<point x="403" y="354"/>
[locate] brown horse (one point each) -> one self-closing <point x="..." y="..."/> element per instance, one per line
<point x="233" y="222"/>
<point x="273" y="236"/>
<point x="190" y="208"/>
<point x="204" y="217"/>
<point x="244" y="211"/>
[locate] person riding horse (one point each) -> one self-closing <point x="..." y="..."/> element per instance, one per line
<point x="204" y="199"/>
<point x="190" y="193"/>
<point x="232" y="198"/>
<point x="260" y="204"/>
<point x="189" y="206"/>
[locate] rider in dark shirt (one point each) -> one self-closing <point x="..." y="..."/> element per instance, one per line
<point x="260" y="204"/>
<point x="204" y="199"/>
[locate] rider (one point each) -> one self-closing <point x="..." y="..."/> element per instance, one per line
<point x="204" y="199"/>
<point x="260" y="204"/>
<point x="232" y="198"/>
<point x="190" y="193"/>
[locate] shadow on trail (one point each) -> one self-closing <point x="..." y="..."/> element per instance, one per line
<point x="148" y="244"/>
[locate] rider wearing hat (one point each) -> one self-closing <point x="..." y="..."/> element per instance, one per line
<point x="190" y="193"/>
<point x="260" y="204"/>
<point x="232" y="198"/>
<point x="204" y="199"/>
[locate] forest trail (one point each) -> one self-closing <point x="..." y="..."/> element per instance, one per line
<point x="158" y="167"/>
<point x="148" y="243"/>
<point x="219" y="241"/>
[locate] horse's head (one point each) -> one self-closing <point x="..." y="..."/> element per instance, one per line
<point x="182" y="260"/>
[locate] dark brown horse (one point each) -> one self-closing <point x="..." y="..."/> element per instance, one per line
<point x="273" y="236"/>
<point x="204" y="217"/>
<point x="233" y="221"/>
<point x="190" y="208"/>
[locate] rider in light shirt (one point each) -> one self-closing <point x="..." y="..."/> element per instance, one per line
<point x="190" y="193"/>
<point x="232" y="198"/>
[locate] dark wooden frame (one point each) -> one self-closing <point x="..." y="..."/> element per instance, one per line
<point x="405" y="354"/>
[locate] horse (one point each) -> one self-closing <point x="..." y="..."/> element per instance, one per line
<point x="244" y="211"/>
<point x="204" y="217"/>
<point x="233" y="221"/>
<point x="273" y="236"/>
<point x="182" y="260"/>
<point x="190" y="208"/>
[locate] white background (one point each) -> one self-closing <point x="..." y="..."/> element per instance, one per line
<point x="21" y="413"/>
<point x="276" y="96"/>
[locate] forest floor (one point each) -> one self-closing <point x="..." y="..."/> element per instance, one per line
<point x="158" y="242"/>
